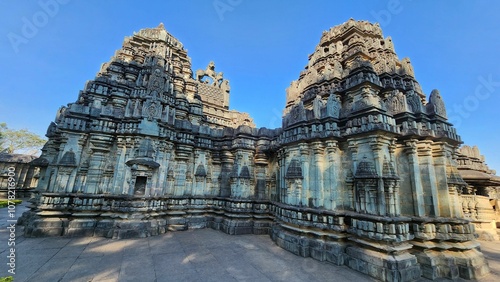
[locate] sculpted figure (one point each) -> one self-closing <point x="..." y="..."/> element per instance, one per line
<point x="340" y="46"/>
<point x="209" y="71"/>
<point x="337" y="69"/>
<point x="333" y="106"/>
<point x="218" y="79"/>
<point x="317" y="105"/>
<point x="397" y="102"/>
<point x="225" y="86"/>
<point x="327" y="74"/>
<point x="407" y="67"/>
<point x="388" y="43"/>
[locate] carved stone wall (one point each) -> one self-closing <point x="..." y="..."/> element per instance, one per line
<point x="362" y="173"/>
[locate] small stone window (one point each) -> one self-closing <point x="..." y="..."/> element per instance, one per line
<point x="140" y="185"/>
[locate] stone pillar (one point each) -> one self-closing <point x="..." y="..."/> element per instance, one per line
<point x="199" y="181"/>
<point x="377" y="146"/>
<point x="215" y="174"/>
<point x="352" y="195"/>
<point x="29" y="178"/>
<point x="439" y="154"/>
<point x="164" y="156"/>
<point x="261" y="162"/>
<point x="120" y="167"/>
<point x="71" y="180"/>
<point x="22" y="174"/>
<point x="183" y="156"/>
<point x="95" y="171"/>
<point x="455" y="204"/>
<point x="331" y="176"/>
<point x="280" y="176"/>
<point x="306" y="186"/>
<point x="127" y="180"/>
<point x="426" y="163"/>
<point x="170" y="189"/>
<point x="288" y="184"/>
<point x="62" y="178"/>
<point x="317" y="174"/>
<point x="227" y="161"/>
<point x="100" y="146"/>
<point x="415" y="178"/>
<point x="396" y="186"/>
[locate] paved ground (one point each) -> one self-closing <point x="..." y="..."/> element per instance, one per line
<point x="198" y="255"/>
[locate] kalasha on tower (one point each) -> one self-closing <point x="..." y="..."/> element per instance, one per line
<point x="362" y="172"/>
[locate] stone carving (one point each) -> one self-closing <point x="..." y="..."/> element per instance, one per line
<point x="436" y="104"/>
<point x="179" y="158"/>
<point x="225" y="86"/>
<point x="396" y="102"/>
<point x="217" y="78"/>
<point x="407" y="67"/>
<point x="156" y="82"/>
<point x="317" y="106"/>
<point x="297" y="114"/>
<point x="414" y="103"/>
<point x="333" y="106"/>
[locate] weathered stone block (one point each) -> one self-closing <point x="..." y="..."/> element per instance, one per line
<point x="104" y="228"/>
<point x="80" y="227"/>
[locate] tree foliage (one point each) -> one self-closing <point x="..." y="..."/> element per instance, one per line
<point x="19" y="141"/>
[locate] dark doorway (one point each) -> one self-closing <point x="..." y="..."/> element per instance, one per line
<point x="140" y="185"/>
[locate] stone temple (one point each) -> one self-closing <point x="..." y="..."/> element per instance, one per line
<point x="362" y="173"/>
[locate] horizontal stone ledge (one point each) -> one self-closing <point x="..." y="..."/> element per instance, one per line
<point x="446" y="220"/>
<point x="317" y="233"/>
<point x="175" y="213"/>
<point x="127" y="197"/>
<point x="389" y="247"/>
<point x="86" y="214"/>
<point x="377" y="218"/>
<point x="307" y="209"/>
<point x="53" y="213"/>
<point x="445" y="245"/>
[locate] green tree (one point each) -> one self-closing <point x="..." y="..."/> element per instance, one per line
<point x="3" y="127"/>
<point x="20" y="141"/>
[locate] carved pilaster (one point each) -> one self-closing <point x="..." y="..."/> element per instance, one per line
<point x="227" y="161"/>
<point x="377" y="148"/>
<point x="415" y="178"/>
<point x="430" y="182"/>
<point x="182" y="156"/>
<point x="306" y="186"/>
<point x="331" y="176"/>
<point x="316" y="182"/>
<point x="100" y="146"/>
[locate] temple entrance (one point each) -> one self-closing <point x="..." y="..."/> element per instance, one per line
<point x="140" y="185"/>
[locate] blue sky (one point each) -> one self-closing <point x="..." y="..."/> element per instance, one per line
<point x="50" y="48"/>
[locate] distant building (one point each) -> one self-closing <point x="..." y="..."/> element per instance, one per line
<point x="480" y="198"/>
<point x="26" y="176"/>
